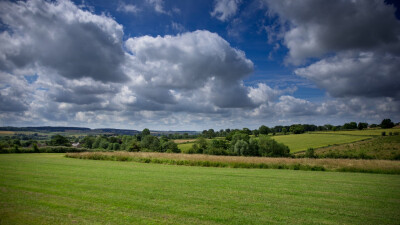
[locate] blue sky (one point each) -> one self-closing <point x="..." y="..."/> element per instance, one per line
<point x="193" y="65"/>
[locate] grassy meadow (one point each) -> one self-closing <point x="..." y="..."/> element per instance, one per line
<point x="365" y="132"/>
<point x="387" y="147"/>
<point x="53" y="189"/>
<point x="316" y="139"/>
<point x="301" y="142"/>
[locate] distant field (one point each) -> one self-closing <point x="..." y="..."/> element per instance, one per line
<point x="301" y="142"/>
<point x="387" y="147"/>
<point x="366" y="132"/>
<point x="180" y="141"/>
<point x="3" y="132"/>
<point x="184" y="147"/>
<point x="52" y="189"/>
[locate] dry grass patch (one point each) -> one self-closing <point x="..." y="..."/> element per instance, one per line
<point x="351" y="165"/>
<point x="180" y="141"/>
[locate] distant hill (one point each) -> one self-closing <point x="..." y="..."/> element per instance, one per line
<point x="91" y="131"/>
<point x="71" y="129"/>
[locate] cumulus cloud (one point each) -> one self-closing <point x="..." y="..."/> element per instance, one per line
<point x="357" y="74"/>
<point x="314" y="30"/>
<point x="85" y="74"/>
<point x="355" y="45"/>
<point x="13" y="97"/>
<point x="188" y="62"/>
<point x="225" y="9"/>
<point x="60" y="36"/>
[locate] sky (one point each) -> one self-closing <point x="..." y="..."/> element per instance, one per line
<point x="195" y="65"/>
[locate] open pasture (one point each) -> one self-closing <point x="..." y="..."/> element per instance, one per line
<point x="365" y="132"/>
<point x="52" y="189"/>
<point x="301" y="142"/>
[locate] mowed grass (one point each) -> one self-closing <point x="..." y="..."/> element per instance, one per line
<point x="301" y="142"/>
<point x="365" y="132"/>
<point x="52" y="189"/>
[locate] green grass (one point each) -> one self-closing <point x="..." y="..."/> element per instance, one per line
<point x="185" y="146"/>
<point x="301" y="142"/>
<point x="366" y="132"/>
<point x="387" y="147"/>
<point x="52" y="189"/>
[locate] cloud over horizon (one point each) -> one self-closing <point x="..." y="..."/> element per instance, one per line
<point x="63" y="65"/>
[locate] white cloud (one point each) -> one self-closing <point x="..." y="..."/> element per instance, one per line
<point x="225" y="9"/>
<point x="316" y="28"/>
<point x="60" y="36"/>
<point x="353" y="46"/>
<point x="158" y="6"/>
<point x="188" y="62"/>
<point x="193" y="80"/>
<point x="356" y="74"/>
<point x="128" y="8"/>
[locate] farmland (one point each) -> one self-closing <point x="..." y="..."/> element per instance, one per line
<point x="366" y="132"/>
<point x="317" y="139"/>
<point x="387" y="147"/>
<point x="98" y="192"/>
<point x="301" y="142"/>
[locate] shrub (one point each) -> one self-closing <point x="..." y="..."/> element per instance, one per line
<point x="151" y="142"/>
<point x="59" y="140"/>
<point x="383" y="133"/>
<point x="170" y="146"/>
<point x="134" y="146"/>
<point x="35" y="148"/>
<point x="269" y="147"/>
<point x="390" y="133"/>
<point x="310" y="153"/>
<point x="16" y="149"/>
<point x="241" y="148"/>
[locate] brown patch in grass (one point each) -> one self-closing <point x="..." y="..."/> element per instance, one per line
<point x="180" y="141"/>
<point x="6" y="132"/>
<point x="354" y="165"/>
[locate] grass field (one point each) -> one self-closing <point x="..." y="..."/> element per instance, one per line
<point x="6" y="133"/>
<point x="185" y="146"/>
<point x="301" y="142"/>
<point x="348" y="165"/>
<point x="52" y="189"/>
<point x="387" y="147"/>
<point x="366" y="132"/>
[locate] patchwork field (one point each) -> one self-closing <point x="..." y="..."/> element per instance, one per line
<point x="387" y="147"/>
<point x="366" y="132"/>
<point x="301" y="142"/>
<point x="52" y="189"/>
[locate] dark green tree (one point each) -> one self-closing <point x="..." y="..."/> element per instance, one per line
<point x="150" y="142"/>
<point x="387" y="123"/>
<point x="264" y="129"/>
<point x="297" y="129"/>
<point x="59" y="140"/>
<point x="241" y="148"/>
<point x="145" y="132"/>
